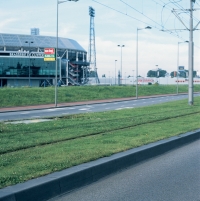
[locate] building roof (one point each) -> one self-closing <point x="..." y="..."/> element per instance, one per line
<point x="18" y="40"/>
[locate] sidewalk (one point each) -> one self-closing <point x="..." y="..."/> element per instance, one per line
<point x="46" y="106"/>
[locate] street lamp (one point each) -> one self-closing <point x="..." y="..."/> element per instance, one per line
<point x="121" y="60"/>
<point x="148" y="27"/>
<point x="115" y="71"/>
<point x="29" y="74"/>
<point x="58" y="2"/>
<point x="178" y="65"/>
<point x="133" y="77"/>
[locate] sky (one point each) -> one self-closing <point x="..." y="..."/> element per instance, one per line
<point x="116" y="23"/>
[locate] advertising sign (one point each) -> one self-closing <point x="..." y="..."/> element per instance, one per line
<point x="49" y="54"/>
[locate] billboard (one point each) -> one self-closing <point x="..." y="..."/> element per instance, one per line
<point x="49" y="54"/>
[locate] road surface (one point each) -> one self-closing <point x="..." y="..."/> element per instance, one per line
<point x="100" y="107"/>
<point x="173" y="176"/>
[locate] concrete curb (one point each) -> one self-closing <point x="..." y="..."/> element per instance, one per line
<point x="57" y="183"/>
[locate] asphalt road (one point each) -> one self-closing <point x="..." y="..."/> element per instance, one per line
<point x="53" y="112"/>
<point x="173" y="176"/>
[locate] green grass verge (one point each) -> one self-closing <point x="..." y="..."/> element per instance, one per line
<point x="33" y="96"/>
<point x="33" y="150"/>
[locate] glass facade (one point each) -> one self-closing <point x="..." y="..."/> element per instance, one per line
<point x="19" y="67"/>
<point x="22" y="61"/>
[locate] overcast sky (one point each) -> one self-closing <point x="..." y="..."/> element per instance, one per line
<point x="116" y="23"/>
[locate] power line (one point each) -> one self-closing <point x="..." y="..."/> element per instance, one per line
<point x="120" y="12"/>
<point x="139" y="12"/>
<point x="168" y="31"/>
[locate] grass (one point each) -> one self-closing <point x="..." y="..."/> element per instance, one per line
<point x="31" y="150"/>
<point x="34" y="96"/>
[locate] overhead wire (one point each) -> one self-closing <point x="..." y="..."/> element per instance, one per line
<point x="182" y="8"/>
<point x="139" y="12"/>
<point x="119" y="11"/>
<point x="126" y="14"/>
<point x="150" y="18"/>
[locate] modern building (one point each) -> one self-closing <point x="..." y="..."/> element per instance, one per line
<point x="22" y="61"/>
<point x="35" y="31"/>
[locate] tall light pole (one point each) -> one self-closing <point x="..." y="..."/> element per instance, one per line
<point x="133" y="77"/>
<point x="58" y="2"/>
<point x="115" y="71"/>
<point x="121" y="61"/>
<point x="191" y="56"/>
<point x="29" y="70"/>
<point x="148" y="27"/>
<point x="178" y="66"/>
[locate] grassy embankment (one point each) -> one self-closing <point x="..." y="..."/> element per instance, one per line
<point x="33" y="96"/>
<point x="33" y="150"/>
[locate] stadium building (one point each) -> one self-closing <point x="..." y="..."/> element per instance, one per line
<point x="22" y="61"/>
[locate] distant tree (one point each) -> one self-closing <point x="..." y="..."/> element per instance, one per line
<point x="161" y="73"/>
<point x="156" y="73"/>
<point x="183" y="74"/>
<point x="173" y="74"/>
<point x="152" y="73"/>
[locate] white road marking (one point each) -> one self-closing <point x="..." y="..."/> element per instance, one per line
<point x="53" y="109"/>
<point x="84" y="109"/>
<point x="119" y="109"/>
<point x="24" y="112"/>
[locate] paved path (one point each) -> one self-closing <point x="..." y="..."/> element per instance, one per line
<point x="45" y="106"/>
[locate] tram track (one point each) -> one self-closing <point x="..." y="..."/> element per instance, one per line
<point x="97" y="133"/>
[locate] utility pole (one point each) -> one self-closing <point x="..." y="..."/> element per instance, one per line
<point x="191" y="49"/>
<point x="191" y="56"/>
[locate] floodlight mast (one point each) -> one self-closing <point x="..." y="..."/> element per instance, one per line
<point x="92" y="46"/>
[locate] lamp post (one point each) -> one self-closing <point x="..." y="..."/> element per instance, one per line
<point x="29" y="74"/>
<point x="133" y="77"/>
<point x="121" y="61"/>
<point x="148" y="27"/>
<point x="58" y="2"/>
<point x="178" y="66"/>
<point x="115" y="71"/>
<point x="191" y="56"/>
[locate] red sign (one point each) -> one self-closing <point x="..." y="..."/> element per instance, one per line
<point x="49" y="51"/>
